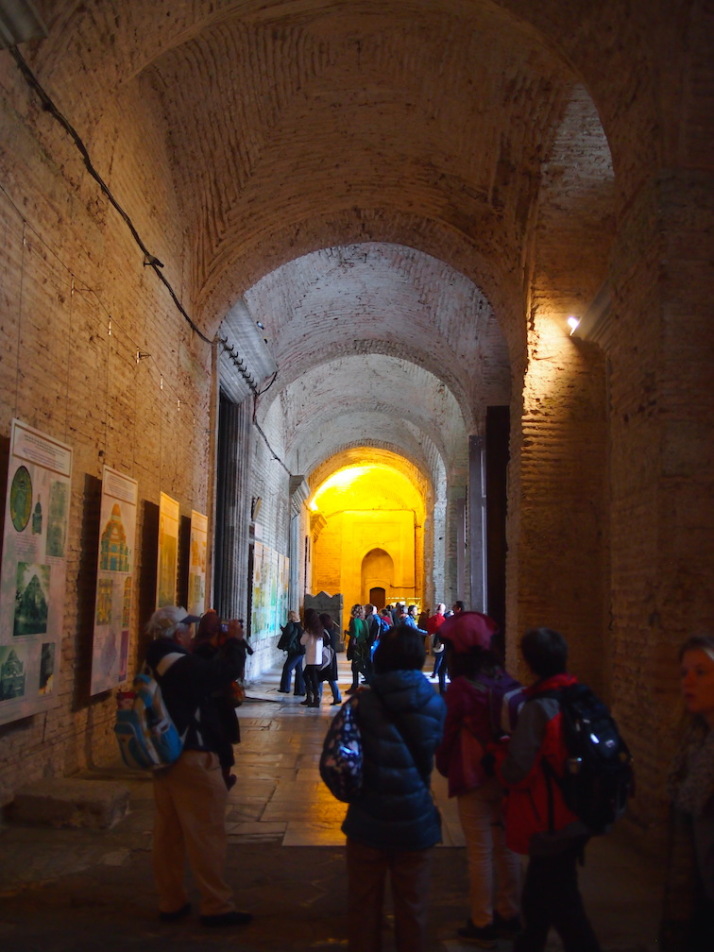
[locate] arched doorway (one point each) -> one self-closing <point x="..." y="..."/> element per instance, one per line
<point x="377" y="576"/>
<point x="368" y="531"/>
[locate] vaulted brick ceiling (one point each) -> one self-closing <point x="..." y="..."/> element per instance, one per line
<point x="365" y="175"/>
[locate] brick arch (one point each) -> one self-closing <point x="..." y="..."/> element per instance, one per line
<point x="279" y="179"/>
<point x="342" y="397"/>
<point x="379" y="453"/>
<point x="429" y="476"/>
<point x="359" y="299"/>
<point x="490" y="269"/>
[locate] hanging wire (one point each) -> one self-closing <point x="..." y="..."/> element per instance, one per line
<point x="150" y="260"/>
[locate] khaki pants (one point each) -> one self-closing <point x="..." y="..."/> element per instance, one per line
<point x="494" y="871"/>
<point x="409" y="872"/>
<point x="190" y="822"/>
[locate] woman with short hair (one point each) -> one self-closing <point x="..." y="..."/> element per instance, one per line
<point x="393" y="825"/>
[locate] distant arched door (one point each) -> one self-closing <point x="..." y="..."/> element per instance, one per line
<point x="377" y="575"/>
<point x="377" y="597"/>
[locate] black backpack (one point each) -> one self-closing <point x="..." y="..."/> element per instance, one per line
<point x="598" y="777"/>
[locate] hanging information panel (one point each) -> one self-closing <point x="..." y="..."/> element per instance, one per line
<point x="197" y="564"/>
<point x="33" y="571"/>
<point x="271" y="574"/>
<point x="168" y="551"/>
<point x="115" y="580"/>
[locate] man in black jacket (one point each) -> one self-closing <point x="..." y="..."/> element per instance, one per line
<point x="191" y="794"/>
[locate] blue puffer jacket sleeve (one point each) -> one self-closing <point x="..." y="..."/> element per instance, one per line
<point x="401" y="720"/>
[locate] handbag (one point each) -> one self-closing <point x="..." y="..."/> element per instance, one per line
<point x="341" y="758"/>
<point x="328" y="654"/>
<point x="236" y="693"/>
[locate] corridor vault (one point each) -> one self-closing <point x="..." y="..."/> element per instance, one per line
<point x="281" y="234"/>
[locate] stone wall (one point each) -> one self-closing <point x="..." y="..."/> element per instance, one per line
<point x="660" y="348"/>
<point x="77" y="305"/>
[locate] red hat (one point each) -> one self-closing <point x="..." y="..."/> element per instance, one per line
<point x="467" y="630"/>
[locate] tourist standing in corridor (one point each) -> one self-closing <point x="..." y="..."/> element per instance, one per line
<point x="393" y="825"/>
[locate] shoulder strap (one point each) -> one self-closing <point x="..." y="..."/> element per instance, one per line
<point x="167" y="661"/>
<point x="162" y="666"/>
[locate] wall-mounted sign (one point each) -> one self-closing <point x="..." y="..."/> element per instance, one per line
<point x="33" y="571"/>
<point x="115" y="580"/>
<point x="271" y="579"/>
<point x="168" y="551"/>
<point x="197" y="564"/>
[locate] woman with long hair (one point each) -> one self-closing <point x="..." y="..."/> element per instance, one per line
<point x="312" y="638"/>
<point x="330" y="673"/>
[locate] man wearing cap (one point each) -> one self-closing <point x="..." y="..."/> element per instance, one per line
<point x="191" y="794"/>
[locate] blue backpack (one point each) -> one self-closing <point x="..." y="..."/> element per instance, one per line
<point x="148" y="738"/>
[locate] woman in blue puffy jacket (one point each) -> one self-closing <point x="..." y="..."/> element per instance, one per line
<point x="392" y="827"/>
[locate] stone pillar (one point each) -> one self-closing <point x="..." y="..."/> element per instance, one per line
<point x="477" y="524"/>
<point x="557" y="522"/>
<point x="299" y="493"/>
<point x="233" y="496"/>
<point x="660" y="346"/>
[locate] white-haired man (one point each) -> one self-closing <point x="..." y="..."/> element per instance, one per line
<point x="190" y="795"/>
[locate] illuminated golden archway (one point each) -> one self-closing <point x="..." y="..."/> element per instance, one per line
<point x="368" y="529"/>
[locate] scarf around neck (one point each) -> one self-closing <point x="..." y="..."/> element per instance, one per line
<point x="691" y="779"/>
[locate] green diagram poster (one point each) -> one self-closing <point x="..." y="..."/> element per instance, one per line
<point x="33" y="571"/>
<point x="115" y="580"/>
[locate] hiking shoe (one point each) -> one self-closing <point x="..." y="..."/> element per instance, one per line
<point x="227" y="919"/>
<point x="485" y="937"/>
<point x="506" y="928"/>
<point x="176" y="914"/>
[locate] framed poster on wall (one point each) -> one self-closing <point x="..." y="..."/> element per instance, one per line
<point x="271" y="573"/>
<point x="33" y="571"/>
<point x="197" y="564"/>
<point x="115" y="580"/>
<point x="168" y="551"/>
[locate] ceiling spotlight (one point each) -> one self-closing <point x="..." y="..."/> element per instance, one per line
<point x="573" y="323"/>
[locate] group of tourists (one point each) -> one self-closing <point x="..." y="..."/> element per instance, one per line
<point x="392" y="826"/>
<point x="311" y="653"/>
<point x="505" y="750"/>
<point x="502" y="747"/>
